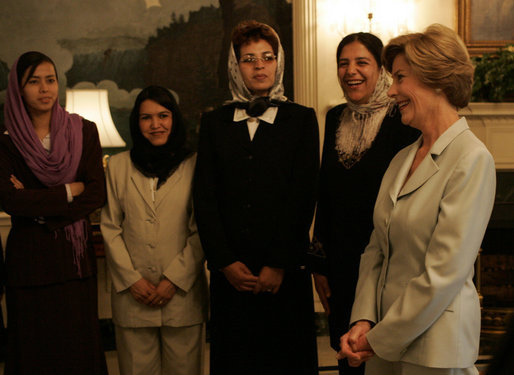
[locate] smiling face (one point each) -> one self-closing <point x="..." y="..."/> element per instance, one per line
<point x="40" y="90"/>
<point x="416" y="101"/>
<point x="155" y="122"/>
<point x="358" y="72"/>
<point x="259" y="75"/>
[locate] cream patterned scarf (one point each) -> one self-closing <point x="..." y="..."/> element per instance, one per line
<point x="240" y="92"/>
<point x="359" y="123"/>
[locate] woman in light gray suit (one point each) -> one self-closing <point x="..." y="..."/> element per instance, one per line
<point x="153" y="251"/>
<point x="416" y="309"/>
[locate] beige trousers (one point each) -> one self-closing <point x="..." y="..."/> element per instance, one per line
<point x="379" y="366"/>
<point x="160" y="350"/>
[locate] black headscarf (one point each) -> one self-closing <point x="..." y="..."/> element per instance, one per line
<point x="158" y="161"/>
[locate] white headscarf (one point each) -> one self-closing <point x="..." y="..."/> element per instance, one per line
<point x="240" y="92"/>
<point x="359" y="124"/>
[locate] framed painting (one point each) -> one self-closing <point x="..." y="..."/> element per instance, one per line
<point x="127" y="45"/>
<point x="485" y="25"/>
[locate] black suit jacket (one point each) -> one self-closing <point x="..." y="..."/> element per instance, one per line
<point x="254" y="200"/>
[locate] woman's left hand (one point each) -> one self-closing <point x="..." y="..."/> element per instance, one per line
<point x="164" y="292"/>
<point x="355" y="346"/>
<point x="270" y="279"/>
<point x="17" y="183"/>
<point x="77" y="188"/>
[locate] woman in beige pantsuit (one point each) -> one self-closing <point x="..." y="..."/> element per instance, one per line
<point x="416" y="309"/>
<point x="152" y="246"/>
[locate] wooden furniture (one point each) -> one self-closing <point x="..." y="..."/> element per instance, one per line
<point x="495" y="274"/>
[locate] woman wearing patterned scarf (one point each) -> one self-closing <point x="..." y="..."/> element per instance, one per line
<point x="361" y="138"/>
<point x="51" y="179"/>
<point x="159" y="299"/>
<point x="254" y="196"/>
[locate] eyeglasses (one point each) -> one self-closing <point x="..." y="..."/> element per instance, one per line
<point x="267" y="58"/>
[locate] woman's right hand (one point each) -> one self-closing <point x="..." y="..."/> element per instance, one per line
<point x="354" y="345"/>
<point x="17" y="183"/>
<point x="240" y="277"/>
<point x="143" y="291"/>
<point x="77" y="188"/>
<point x="323" y="289"/>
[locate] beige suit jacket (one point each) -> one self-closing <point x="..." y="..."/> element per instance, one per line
<point x="415" y="276"/>
<point x="153" y="239"/>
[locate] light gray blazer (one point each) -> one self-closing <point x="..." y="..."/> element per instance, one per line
<point x="415" y="276"/>
<point x="151" y="239"/>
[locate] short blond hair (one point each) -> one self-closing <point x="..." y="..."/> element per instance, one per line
<point x="438" y="58"/>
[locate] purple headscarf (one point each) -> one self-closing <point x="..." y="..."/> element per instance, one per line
<point x="57" y="167"/>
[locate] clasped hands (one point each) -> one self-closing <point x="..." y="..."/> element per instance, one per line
<point x="243" y="280"/>
<point x="354" y="345"/>
<point x="148" y="294"/>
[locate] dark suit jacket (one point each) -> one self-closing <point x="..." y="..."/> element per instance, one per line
<point x="39" y="254"/>
<point x="254" y="200"/>
<point x="254" y="203"/>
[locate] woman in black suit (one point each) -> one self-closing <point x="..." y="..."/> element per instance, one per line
<point x="254" y="197"/>
<point x="361" y="138"/>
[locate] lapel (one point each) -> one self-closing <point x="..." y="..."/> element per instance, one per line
<point x="243" y="135"/>
<point x="143" y="187"/>
<point x="426" y="169"/>
<point x="283" y="114"/>
<point x="401" y="175"/>
<point x="162" y="192"/>
<point x="282" y="118"/>
<point x="429" y="165"/>
<point x="236" y="131"/>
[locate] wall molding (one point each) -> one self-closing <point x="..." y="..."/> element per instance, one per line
<point x="305" y="53"/>
<point x="493" y="124"/>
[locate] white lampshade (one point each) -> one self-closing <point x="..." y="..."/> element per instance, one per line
<point x="93" y="105"/>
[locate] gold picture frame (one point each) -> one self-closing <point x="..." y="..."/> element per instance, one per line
<point x="476" y="31"/>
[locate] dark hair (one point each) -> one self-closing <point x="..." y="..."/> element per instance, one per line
<point x="372" y="43"/>
<point x="158" y="161"/>
<point x="165" y="98"/>
<point x="30" y="61"/>
<point x="253" y="31"/>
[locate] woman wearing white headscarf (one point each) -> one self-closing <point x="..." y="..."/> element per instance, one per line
<point x="254" y="197"/>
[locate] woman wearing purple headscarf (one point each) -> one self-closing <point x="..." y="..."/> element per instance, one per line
<point x="51" y="178"/>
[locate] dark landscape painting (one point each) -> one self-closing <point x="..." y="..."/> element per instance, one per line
<point x="125" y="45"/>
